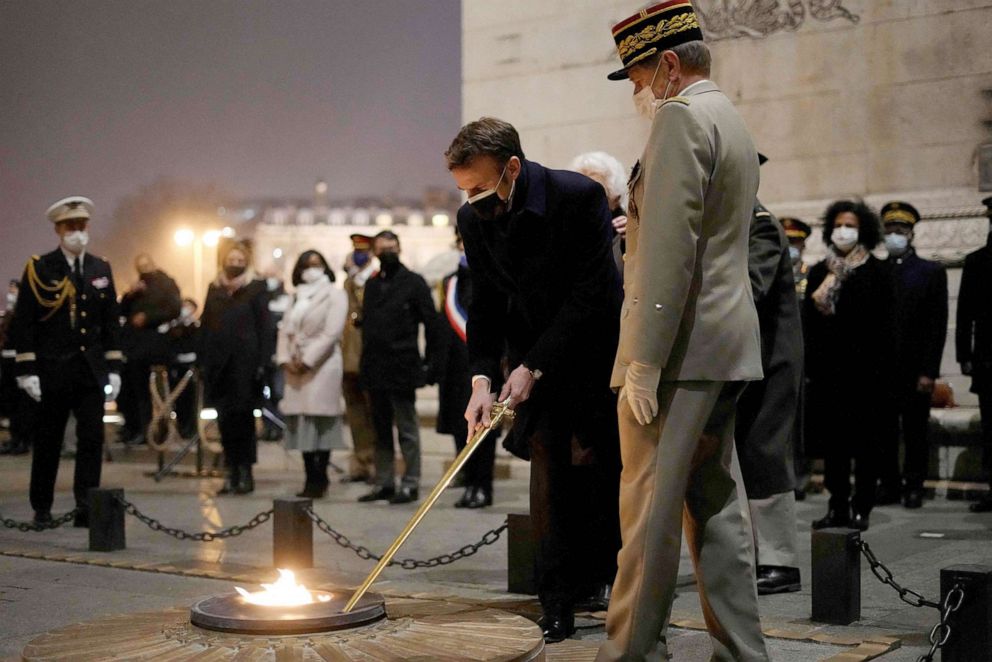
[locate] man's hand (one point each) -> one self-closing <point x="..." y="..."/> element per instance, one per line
<point x="480" y="406"/>
<point x="518" y="386"/>
<point x="641" y="389"/>
<point x="138" y="320"/>
<point x="924" y="385"/>
<point x="114" y="383"/>
<point x="620" y="225"/>
<point x="30" y="384"/>
<point x="967" y="368"/>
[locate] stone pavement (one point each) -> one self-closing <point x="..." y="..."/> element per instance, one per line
<point x="39" y="593"/>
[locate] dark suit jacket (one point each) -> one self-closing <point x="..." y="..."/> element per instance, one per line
<point x="767" y="409"/>
<point x="546" y="294"/>
<point x="393" y="310"/>
<point x="45" y="336"/>
<point x="920" y="316"/>
<point x="973" y="337"/>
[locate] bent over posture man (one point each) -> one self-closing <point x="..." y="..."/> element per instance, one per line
<point x="689" y="342"/>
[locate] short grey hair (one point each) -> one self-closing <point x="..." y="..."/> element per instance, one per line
<point x="605" y="169"/>
<point x="694" y="56"/>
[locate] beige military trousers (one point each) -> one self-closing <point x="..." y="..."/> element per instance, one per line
<point x="681" y="471"/>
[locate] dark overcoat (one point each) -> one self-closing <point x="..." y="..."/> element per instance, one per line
<point x="973" y="337"/>
<point x="546" y="294"/>
<point x="394" y="307"/>
<point x="232" y="340"/>
<point x="920" y="317"/>
<point x="767" y="408"/>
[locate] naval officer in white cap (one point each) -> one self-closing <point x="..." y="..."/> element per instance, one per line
<point x="66" y="331"/>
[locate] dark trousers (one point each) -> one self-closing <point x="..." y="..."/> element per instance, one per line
<point x="574" y="510"/>
<point x="478" y="471"/>
<point x="237" y="436"/>
<point x="912" y="418"/>
<point x="315" y="465"/>
<point x="985" y="409"/>
<point x="857" y="436"/>
<point x="67" y="387"/>
<point x="399" y="407"/>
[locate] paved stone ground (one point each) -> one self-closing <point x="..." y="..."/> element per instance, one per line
<point x="39" y="595"/>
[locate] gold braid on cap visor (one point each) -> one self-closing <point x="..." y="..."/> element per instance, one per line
<point x="899" y="215"/>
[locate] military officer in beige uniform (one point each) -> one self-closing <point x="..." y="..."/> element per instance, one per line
<point x="689" y="342"/>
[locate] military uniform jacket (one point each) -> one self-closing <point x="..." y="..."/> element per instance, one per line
<point x="766" y="410"/>
<point x="57" y="320"/>
<point x="974" y="324"/>
<point x="920" y="316"/>
<point x="688" y="306"/>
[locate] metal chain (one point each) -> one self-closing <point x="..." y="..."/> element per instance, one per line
<point x="941" y="632"/>
<point x="952" y="602"/>
<point x="363" y="552"/>
<point x="36" y="526"/>
<point x="200" y="536"/>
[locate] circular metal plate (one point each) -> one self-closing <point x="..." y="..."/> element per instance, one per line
<point x="230" y="613"/>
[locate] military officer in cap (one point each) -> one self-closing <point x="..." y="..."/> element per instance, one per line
<point x="66" y="330"/>
<point x="360" y="267"/>
<point x="920" y="332"/>
<point x="797" y="233"/>
<point x="973" y="339"/>
<point x="689" y="342"/>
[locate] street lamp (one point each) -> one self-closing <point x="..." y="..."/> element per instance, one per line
<point x="184" y="237"/>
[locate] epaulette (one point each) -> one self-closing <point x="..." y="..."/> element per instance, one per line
<point x="763" y="214"/>
<point x="682" y="100"/>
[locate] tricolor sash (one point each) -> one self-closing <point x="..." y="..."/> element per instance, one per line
<point x="456" y="314"/>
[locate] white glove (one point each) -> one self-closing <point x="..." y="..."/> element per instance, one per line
<point x="114" y="384"/>
<point x="641" y="389"/>
<point x="30" y="384"/>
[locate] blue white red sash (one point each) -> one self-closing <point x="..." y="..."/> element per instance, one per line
<point x="457" y="316"/>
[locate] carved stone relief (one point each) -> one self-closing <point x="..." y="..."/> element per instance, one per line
<point x="732" y="19"/>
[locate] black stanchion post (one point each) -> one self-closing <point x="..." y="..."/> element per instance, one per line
<point x="292" y="533"/>
<point x="836" y="576"/>
<point x="522" y="555"/>
<point x="971" y="624"/>
<point x="106" y="519"/>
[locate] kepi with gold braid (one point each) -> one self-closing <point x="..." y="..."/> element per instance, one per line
<point x="653" y="30"/>
<point x="794" y="228"/>
<point x="900" y="212"/>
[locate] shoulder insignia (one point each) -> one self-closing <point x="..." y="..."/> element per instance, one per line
<point x="763" y="214"/>
<point x="682" y="100"/>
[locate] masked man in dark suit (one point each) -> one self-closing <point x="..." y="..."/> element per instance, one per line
<point x="545" y="304"/>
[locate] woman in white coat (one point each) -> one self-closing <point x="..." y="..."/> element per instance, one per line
<point x="309" y="353"/>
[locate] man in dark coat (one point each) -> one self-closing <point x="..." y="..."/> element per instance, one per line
<point x="152" y="302"/>
<point x="545" y="303"/>
<point x="397" y="302"/>
<point x="766" y="410"/>
<point x="15" y="404"/>
<point x="974" y="343"/>
<point x="455" y="386"/>
<point x="66" y="331"/>
<point x="921" y="330"/>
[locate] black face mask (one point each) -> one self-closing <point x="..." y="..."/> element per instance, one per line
<point x="488" y="205"/>
<point x="233" y="271"/>
<point x="389" y="260"/>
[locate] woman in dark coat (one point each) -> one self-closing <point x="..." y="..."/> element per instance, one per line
<point x="232" y="331"/>
<point x="848" y="325"/>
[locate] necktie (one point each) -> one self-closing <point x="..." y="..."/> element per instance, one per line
<point x="77" y="274"/>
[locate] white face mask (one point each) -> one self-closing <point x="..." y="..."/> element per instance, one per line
<point x="795" y="254"/>
<point x="844" y="238"/>
<point x="896" y="244"/>
<point x="312" y="274"/>
<point x="11" y="300"/>
<point x="75" y="242"/>
<point x="645" y="102"/>
<point x="272" y="283"/>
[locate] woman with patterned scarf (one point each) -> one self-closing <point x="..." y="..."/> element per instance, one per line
<point x="849" y="334"/>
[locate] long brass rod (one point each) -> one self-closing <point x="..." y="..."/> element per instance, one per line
<point x="501" y="410"/>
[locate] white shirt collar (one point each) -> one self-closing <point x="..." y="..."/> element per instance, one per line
<point x="689" y="87"/>
<point x="70" y="258"/>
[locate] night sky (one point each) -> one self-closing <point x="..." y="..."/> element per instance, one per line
<point x="259" y="97"/>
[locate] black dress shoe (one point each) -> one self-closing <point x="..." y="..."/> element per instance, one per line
<point x="556" y="627"/>
<point x="832" y="519"/>
<point x="313" y="491"/>
<point x="481" y="498"/>
<point x="859" y="522"/>
<point x="42" y="516"/>
<point x="81" y="520"/>
<point x="405" y="494"/>
<point x="983" y="505"/>
<point x="774" y="579"/>
<point x="231" y="481"/>
<point x="466" y="497"/>
<point x="598" y="600"/>
<point x="246" y="484"/>
<point x="913" y="499"/>
<point x="382" y="493"/>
